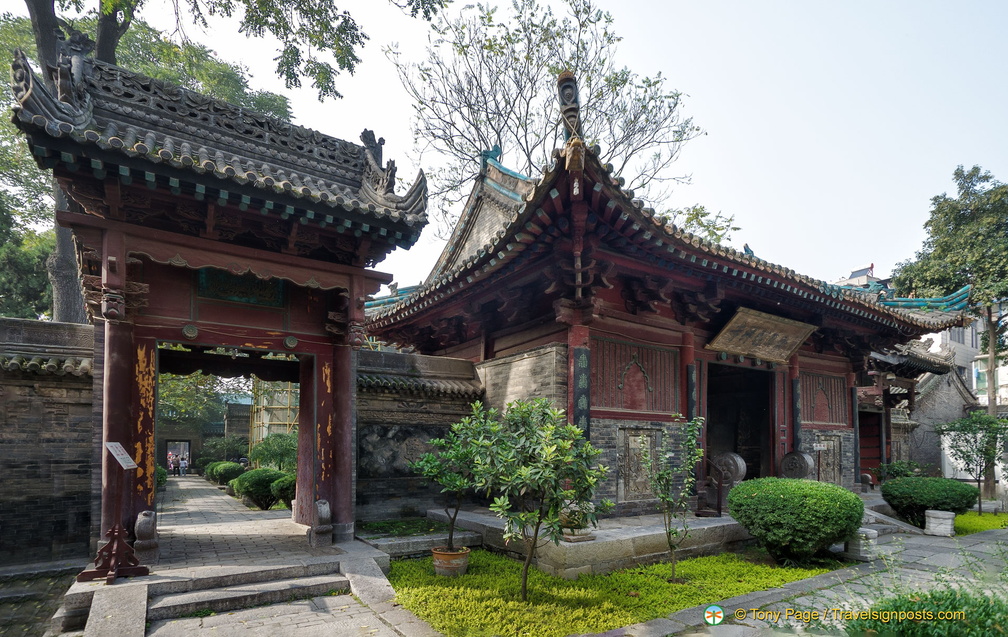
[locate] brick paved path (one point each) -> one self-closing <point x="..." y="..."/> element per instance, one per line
<point x="199" y="525"/>
<point x="202" y="529"/>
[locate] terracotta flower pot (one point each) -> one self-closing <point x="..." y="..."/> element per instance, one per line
<point x="451" y="563"/>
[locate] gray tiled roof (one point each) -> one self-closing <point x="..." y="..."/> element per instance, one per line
<point x="104" y="114"/>
<point x="655" y="239"/>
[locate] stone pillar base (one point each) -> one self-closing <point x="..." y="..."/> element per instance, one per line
<point x="343" y="532"/>
<point x="863" y="546"/>
<point x="940" y="523"/>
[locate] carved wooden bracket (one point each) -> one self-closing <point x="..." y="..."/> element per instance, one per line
<point x="113" y="305"/>
<point x="702" y="306"/>
<point x="646" y="294"/>
<point x="570" y="312"/>
<point x="514" y="304"/>
<point x="448" y="330"/>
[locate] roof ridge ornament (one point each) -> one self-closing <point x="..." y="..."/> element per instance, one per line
<point x="570" y="105"/>
<point x="494" y="153"/>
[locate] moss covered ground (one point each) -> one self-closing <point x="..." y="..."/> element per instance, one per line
<point x="972" y="522"/>
<point x="486" y="601"/>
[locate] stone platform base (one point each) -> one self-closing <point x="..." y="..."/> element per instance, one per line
<point x="618" y="543"/>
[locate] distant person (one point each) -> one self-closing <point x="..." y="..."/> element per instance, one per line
<point x="183" y="465"/>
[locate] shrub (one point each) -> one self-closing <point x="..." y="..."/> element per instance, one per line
<point x="973" y="522"/>
<point x="160" y="477"/>
<point x="284" y="489"/>
<point x="209" y="470"/>
<point x="898" y="469"/>
<point x="199" y="464"/>
<point x="794" y="519"/>
<point x="256" y="486"/>
<point x="278" y="451"/>
<point x="224" y="472"/>
<point x="916" y="614"/>
<point x="910" y="497"/>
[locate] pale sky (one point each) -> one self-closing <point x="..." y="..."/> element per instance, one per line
<point x="830" y="125"/>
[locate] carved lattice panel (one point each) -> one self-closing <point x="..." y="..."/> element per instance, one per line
<point x="633" y="482"/>
<point x="824" y="400"/>
<point x="633" y="377"/>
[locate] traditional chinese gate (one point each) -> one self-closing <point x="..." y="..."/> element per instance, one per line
<point x="214" y="229"/>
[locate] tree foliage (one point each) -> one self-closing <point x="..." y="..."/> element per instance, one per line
<point x="536" y="464"/>
<point x="276" y="450"/>
<point x="24" y="290"/>
<point x="976" y="443"/>
<point x="226" y="448"/>
<point x="196" y="399"/>
<point x="489" y="79"/>
<point x="451" y="464"/>
<point x="672" y="476"/>
<point x="967" y="244"/>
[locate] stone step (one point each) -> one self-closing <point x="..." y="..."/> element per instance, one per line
<point x="243" y="595"/>
<point x="220" y="577"/>
<point x="421" y="544"/>
<point x="883" y="529"/>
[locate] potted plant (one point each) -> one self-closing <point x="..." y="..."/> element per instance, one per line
<point x="450" y="466"/>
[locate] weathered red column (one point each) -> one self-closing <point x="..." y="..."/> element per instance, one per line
<point x="341" y="447"/>
<point x="117" y="382"/>
<point x="142" y="424"/>
<point x="794" y="375"/>
<point x="308" y="451"/>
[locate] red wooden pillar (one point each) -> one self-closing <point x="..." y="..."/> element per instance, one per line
<point x="314" y="444"/>
<point x="794" y="377"/>
<point x="142" y="425"/>
<point x="340" y="438"/>
<point x="117" y="383"/>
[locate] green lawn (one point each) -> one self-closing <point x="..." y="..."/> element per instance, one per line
<point x="486" y="601"/>
<point x="972" y="522"/>
<point x="400" y="528"/>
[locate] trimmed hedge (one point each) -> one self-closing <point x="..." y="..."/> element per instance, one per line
<point x="795" y="519"/>
<point x="284" y="489"/>
<point x="255" y="485"/>
<point x="224" y="472"/>
<point x="916" y="615"/>
<point x="910" y="497"/>
<point x="160" y="476"/>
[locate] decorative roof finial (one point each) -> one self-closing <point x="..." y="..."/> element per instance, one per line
<point x="570" y="105"/>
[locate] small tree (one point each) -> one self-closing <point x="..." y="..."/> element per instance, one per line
<point x="276" y="450"/>
<point x="537" y="464"/>
<point x="976" y="443"/>
<point x="966" y="244"/>
<point x="451" y="466"/>
<point x="672" y="475"/>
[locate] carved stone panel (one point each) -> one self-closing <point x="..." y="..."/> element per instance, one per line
<point x="633" y="482"/>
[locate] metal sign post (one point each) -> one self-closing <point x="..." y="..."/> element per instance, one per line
<point x="818" y="448"/>
<point x="116" y="558"/>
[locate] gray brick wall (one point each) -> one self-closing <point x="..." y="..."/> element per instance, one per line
<point x="943" y="399"/>
<point x="540" y="372"/>
<point x="46" y="443"/>
<point x="395" y="426"/>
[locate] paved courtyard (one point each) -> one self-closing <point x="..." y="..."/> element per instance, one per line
<point x="205" y="531"/>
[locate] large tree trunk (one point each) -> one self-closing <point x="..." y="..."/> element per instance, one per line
<point x="989" y="487"/>
<point x="61" y="266"/>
